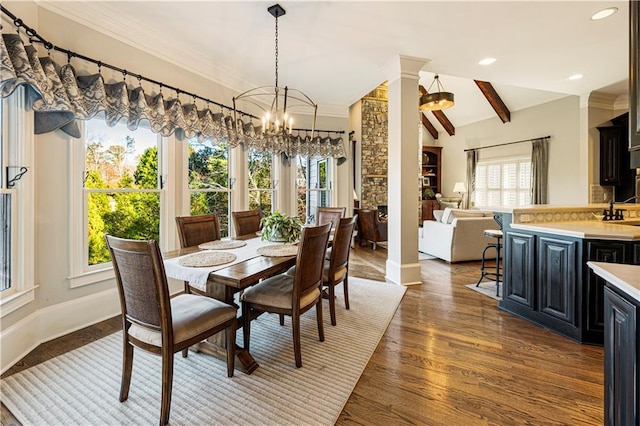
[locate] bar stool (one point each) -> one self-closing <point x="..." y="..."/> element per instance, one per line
<point x="494" y="272"/>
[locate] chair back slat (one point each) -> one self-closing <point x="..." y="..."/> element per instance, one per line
<point x="310" y="260"/>
<point x="195" y="230"/>
<point x="341" y="247"/>
<point x="141" y="281"/>
<point x="246" y="222"/>
<point x="330" y="214"/>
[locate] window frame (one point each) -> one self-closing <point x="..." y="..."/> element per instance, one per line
<point x="321" y="193"/>
<point x="81" y="273"/>
<point x="17" y="145"/>
<point x="502" y="162"/>
<point x="274" y="181"/>
<point x="228" y="190"/>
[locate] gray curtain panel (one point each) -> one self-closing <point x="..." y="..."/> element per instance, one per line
<point x="59" y="98"/>
<point x="539" y="171"/>
<point x="472" y="160"/>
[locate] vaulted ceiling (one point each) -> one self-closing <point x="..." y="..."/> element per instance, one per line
<point x="337" y="51"/>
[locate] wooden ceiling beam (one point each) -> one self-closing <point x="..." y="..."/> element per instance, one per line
<point x="494" y="100"/>
<point x="427" y="124"/>
<point x="440" y="116"/>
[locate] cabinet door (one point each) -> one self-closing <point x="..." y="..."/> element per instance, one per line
<point x="557" y="278"/>
<point x="611" y="145"/>
<point x="519" y="269"/>
<point x="620" y="368"/>
<point x="634" y="81"/>
<point x="635" y="254"/>
<point x="609" y="252"/>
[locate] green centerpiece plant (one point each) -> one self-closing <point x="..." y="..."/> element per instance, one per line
<point x="280" y="227"/>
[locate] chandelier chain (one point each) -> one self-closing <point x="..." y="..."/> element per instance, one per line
<point x="276" y="51"/>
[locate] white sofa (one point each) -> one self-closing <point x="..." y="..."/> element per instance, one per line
<point x="457" y="235"/>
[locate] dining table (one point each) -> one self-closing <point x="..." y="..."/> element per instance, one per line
<point x="223" y="282"/>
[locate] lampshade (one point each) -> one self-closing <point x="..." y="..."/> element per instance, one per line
<point x="459" y="187"/>
<point x="355" y="195"/>
<point x="437" y="100"/>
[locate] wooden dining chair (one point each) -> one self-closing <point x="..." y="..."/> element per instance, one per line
<point x="292" y="295"/>
<point x="330" y="214"/>
<point x="154" y="322"/>
<point x="370" y="227"/>
<point x="195" y="230"/>
<point x="246" y="222"/>
<point x="336" y="269"/>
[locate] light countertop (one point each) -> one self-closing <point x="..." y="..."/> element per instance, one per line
<point x="619" y="230"/>
<point x="623" y="277"/>
<point x="542" y="208"/>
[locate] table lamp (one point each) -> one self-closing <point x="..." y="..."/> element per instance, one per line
<point x="460" y="189"/>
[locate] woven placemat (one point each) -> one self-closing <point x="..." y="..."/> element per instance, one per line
<point x="278" y="250"/>
<point x="207" y="258"/>
<point x="222" y="244"/>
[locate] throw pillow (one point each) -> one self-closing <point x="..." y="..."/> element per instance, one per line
<point x="437" y="215"/>
<point x="446" y="215"/>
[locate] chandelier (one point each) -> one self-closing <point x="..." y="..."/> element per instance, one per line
<point x="279" y="104"/>
<point x="437" y="100"/>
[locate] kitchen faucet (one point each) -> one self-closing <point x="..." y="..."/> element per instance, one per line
<point x="618" y="213"/>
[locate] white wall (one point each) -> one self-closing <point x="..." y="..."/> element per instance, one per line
<point x="560" y="119"/>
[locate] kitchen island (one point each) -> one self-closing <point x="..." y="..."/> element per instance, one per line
<point x="621" y="312"/>
<point x="546" y="277"/>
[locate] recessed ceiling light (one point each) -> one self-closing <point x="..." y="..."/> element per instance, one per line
<point x="487" y="61"/>
<point x="576" y="77"/>
<point x="604" y="13"/>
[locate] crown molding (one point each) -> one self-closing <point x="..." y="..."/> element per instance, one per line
<point x="600" y="100"/>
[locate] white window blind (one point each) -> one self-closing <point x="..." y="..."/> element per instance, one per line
<point x="504" y="181"/>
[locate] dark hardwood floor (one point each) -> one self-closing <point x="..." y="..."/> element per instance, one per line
<point x="449" y="357"/>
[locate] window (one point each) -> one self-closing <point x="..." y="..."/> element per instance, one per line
<point x="209" y="181"/>
<point x="313" y="186"/>
<point x="121" y="190"/>
<point x="261" y="183"/>
<point x="16" y="203"/>
<point x="504" y="182"/>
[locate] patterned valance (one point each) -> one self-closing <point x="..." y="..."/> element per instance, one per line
<point x="60" y="97"/>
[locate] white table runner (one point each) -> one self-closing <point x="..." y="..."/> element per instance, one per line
<point x="197" y="277"/>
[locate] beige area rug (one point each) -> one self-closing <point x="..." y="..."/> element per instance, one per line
<point x="488" y="288"/>
<point x="82" y="386"/>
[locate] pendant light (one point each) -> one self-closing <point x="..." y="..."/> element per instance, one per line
<point x="279" y="104"/>
<point x="437" y="100"/>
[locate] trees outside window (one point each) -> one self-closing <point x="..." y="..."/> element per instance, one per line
<point x="122" y="194"/>
<point x="209" y="181"/>
<point x="260" y="181"/>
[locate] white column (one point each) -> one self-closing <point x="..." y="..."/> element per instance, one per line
<point x="402" y="261"/>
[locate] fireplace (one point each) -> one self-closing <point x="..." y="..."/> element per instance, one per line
<point x="382" y="211"/>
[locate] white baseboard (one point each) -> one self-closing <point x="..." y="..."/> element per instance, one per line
<point x="55" y="321"/>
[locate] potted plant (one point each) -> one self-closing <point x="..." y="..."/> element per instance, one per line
<point x="280" y="227"/>
<point x="428" y="194"/>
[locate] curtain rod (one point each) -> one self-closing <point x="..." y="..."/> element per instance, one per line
<point x="507" y="143"/>
<point x="34" y="36"/>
